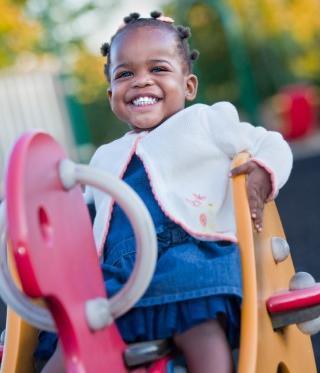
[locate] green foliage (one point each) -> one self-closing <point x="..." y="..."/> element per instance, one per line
<point x="103" y="124"/>
<point x="17" y="33"/>
<point x="214" y="68"/>
<point x="279" y="43"/>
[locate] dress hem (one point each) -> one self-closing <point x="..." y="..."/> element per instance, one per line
<point x="171" y="298"/>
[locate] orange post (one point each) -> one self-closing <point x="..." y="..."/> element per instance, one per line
<point x="249" y="314"/>
<point x="263" y="350"/>
<point x="20" y="339"/>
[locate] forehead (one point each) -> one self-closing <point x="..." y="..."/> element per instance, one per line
<point x="144" y="42"/>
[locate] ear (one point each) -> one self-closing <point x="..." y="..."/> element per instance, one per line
<point x="109" y="92"/>
<point x="191" y="87"/>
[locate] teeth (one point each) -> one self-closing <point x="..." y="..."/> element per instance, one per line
<point x="141" y="101"/>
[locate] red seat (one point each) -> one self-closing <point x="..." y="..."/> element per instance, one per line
<point x="294" y="299"/>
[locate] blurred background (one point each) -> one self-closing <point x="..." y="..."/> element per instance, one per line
<point x="262" y="55"/>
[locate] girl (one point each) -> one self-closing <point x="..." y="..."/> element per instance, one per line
<point x="178" y="161"/>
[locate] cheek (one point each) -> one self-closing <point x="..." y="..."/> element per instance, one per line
<point x="115" y="99"/>
<point x="114" y="105"/>
<point x="176" y="87"/>
<point x="177" y="94"/>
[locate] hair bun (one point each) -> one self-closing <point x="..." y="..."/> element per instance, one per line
<point x="194" y="55"/>
<point x="131" y="17"/>
<point x="184" y="32"/>
<point x="134" y="15"/>
<point x="155" y="14"/>
<point x="105" y="49"/>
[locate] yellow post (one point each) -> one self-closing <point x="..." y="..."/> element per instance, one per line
<point x="20" y="339"/>
<point x="249" y="313"/>
<point x="263" y="350"/>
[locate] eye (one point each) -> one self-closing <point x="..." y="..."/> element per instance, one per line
<point x="124" y="74"/>
<point x="157" y="69"/>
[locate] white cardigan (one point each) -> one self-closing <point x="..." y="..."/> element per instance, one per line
<point x="187" y="159"/>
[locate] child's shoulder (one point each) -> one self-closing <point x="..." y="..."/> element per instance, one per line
<point x="221" y="111"/>
<point x="114" y="146"/>
<point x="223" y="108"/>
<point x="227" y="108"/>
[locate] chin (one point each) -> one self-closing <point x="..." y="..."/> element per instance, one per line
<point x="145" y="126"/>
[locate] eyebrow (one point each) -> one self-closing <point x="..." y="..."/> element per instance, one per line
<point x="152" y="61"/>
<point x="159" y="60"/>
<point x="120" y="65"/>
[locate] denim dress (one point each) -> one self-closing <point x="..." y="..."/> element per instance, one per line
<point x="194" y="280"/>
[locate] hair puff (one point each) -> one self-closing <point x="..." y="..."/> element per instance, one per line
<point x="184" y="32"/>
<point x="194" y="55"/>
<point x="134" y="15"/>
<point x="155" y="14"/>
<point x="105" y="49"/>
<point x="131" y="17"/>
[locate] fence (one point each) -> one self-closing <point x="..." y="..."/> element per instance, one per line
<point x="32" y="101"/>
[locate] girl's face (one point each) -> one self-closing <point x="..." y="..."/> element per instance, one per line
<point x="149" y="81"/>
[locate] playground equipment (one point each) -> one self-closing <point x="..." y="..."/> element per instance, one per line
<point x="50" y="236"/>
<point x="296" y="109"/>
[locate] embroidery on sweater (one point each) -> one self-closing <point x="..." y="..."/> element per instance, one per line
<point x="203" y="219"/>
<point x="207" y="217"/>
<point x="196" y="200"/>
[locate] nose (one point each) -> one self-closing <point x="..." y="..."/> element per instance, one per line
<point x="142" y="80"/>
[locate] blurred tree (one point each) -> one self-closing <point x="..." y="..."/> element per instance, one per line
<point x="284" y="36"/>
<point x="224" y="66"/>
<point x="280" y="39"/>
<point x="66" y="27"/>
<point x="40" y="31"/>
<point x="89" y="77"/>
<point x="17" y="33"/>
<point x="92" y="93"/>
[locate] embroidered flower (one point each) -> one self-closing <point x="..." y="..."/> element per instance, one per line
<point x="194" y="203"/>
<point x="199" y="197"/>
<point x="203" y="219"/>
<point x="196" y="199"/>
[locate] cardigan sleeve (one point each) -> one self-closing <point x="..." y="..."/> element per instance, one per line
<point x="267" y="148"/>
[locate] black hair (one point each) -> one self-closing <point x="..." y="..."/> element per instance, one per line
<point x="181" y="33"/>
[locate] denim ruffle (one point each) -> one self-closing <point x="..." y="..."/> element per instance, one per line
<point x="164" y="321"/>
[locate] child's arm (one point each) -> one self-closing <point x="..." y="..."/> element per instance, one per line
<point x="271" y="157"/>
<point x="259" y="188"/>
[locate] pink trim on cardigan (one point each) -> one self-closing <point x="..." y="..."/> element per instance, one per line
<point x="121" y="174"/>
<point x="214" y="237"/>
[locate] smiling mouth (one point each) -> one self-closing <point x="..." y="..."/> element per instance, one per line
<point x="145" y="101"/>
